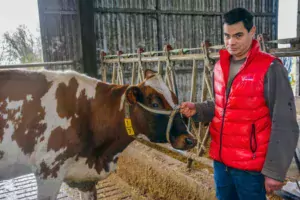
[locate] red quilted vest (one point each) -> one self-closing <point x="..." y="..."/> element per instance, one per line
<point x="240" y="129"/>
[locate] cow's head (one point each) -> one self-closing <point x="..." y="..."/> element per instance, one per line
<point x="151" y="105"/>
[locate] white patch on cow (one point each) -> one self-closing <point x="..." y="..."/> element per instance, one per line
<point x="48" y="157"/>
<point x="80" y="171"/>
<point x="29" y="97"/>
<point x="14" y="105"/>
<point x="49" y="188"/>
<point x="86" y="83"/>
<point x="159" y="85"/>
<point x="14" y="162"/>
<point x="26" y="131"/>
<point x="18" y="115"/>
<point x="90" y="92"/>
<point x="122" y="102"/>
<point x="4" y="116"/>
<point x="13" y="156"/>
<point x="52" y="121"/>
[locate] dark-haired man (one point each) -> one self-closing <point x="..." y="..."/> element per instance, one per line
<point x="253" y="125"/>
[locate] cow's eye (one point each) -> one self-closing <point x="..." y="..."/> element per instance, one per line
<point x="155" y="105"/>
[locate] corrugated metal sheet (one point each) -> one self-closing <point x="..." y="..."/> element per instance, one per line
<point x="59" y="22"/>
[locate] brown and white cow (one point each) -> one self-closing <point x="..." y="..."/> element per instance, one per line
<point x="65" y="126"/>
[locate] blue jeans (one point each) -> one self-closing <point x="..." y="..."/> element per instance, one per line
<point x="234" y="184"/>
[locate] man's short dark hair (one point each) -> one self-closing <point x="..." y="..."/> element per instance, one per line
<point x="239" y="15"/>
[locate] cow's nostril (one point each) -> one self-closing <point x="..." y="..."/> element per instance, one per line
<point x="189" y="141"/>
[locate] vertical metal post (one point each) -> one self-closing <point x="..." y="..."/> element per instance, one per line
<point x="159" y="68"/>
<point x="141" y="69"/>
<point x="133" y="77"/>
<point x="120" y="69"/>
<point x="170" y="74"/>
<point x="103" y="67"/>
<point x="206" y="89"/>
<point x="114" y="74"/>
<point x="193" y="97"/>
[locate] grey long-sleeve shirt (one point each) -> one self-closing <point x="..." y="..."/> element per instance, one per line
<point x="284" y="132"/>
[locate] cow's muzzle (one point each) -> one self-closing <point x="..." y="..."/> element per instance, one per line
<point x="170" y="113"/>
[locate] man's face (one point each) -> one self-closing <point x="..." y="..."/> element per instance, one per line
<point x="237" y="39"/>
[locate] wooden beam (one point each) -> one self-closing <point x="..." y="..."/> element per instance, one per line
<point x="61" y="12"/>
<point x="285" y="41"/>
<point x="158" y="25"/>
<point x="297" y="103"/>
<point x="298" y="20"/>
<point x="88" y="38"/>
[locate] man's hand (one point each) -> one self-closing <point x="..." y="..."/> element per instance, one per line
<point x="271" y="185"/>
<point x="188" y="109"/>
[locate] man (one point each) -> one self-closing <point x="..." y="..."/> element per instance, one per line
<point x="253" y="125"/>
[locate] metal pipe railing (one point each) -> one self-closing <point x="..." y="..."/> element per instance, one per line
<point x="41" y="64"/>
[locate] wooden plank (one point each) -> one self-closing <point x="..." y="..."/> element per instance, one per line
<point x="297" y="103"/>
<point x="88" y="38"/>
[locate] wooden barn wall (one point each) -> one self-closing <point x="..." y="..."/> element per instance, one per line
<point x="129" y="24"/>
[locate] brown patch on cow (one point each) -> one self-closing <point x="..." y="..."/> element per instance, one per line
<point x="95" y="127"/>
<point x="86" y="186"/>
<point x="45" y="171"/>
<point x="42" y="139"/>
<point x="61" y="138"/>
<point x="107" y="136"/>
<point x="148" y="91"/>
<point x="134" y="94"/>
<point x="15" y="85"/>
<point x="66" y="98"/>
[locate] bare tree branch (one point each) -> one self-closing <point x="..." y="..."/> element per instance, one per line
<point x="20" y="46"/>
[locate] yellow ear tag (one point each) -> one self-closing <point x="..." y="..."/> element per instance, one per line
<point x="128" y="126"/>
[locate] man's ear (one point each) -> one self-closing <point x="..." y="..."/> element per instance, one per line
<point x="134" y="94"/>
<point x="149" y="73"/>
<point x="252" y="31"/>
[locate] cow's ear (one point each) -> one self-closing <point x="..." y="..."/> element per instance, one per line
<point x="134" y="94"/>
<point x="149" y="73"/>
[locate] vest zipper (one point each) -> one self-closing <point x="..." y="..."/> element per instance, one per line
<point x="221" y="132"/>
<point x="224" y="110"/>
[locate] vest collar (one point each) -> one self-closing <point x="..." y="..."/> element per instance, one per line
<point x="225" y="58"/>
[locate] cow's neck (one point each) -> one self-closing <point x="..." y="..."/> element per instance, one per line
<point x="107" y="132"/>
